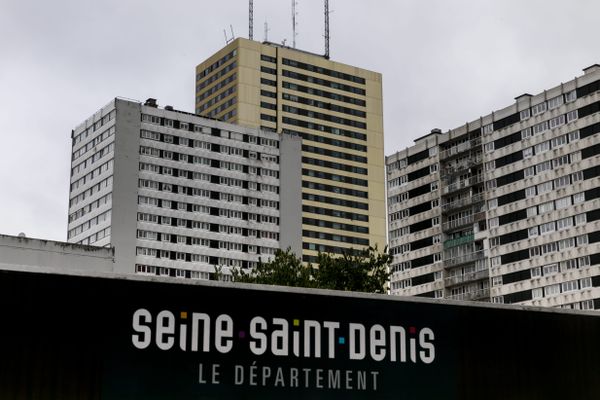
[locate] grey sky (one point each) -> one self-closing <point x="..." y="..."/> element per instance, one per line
<point x="444" y="62"/>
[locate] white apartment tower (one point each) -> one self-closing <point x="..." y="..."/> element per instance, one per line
<point x="505" y="208"/>
<point x="181" y="195"/>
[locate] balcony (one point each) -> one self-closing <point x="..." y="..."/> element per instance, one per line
<point x="470" y="277"/>
<point x="482" y="294"/>
<point x="458" y="241"/>
<point x="473" y="180"/>
<point x="467" y="258"/>
<point x="462" y="166"/>
<point x="460" y="148"/>
<point x="457" y="223"/>
<point x="467" y="201"/>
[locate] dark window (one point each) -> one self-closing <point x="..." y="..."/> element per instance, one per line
<point x="504" y="122"/>
<point x="418" y="157"/>
<point x="506" y="140"/>
<point x="418" y="174"/>
<point x="334" y="200"/>
<point x="422" y="279"/>
<point x="509" y="159"/>
<point x="514" y="256"/>
<point x="335" y="213"/>
<point x="414" y="210"/>
<point x="517" y="297"/>
<point x="587" y="89"/>
<point x="588" y="110"/>
<point x="510" y="197"/>
<point x="421" y="261"/>
<point x="334" y="177"/>
<point x="419" y="226"/>
<point x="516" y="276"/>
<point x="512" y="217"/>
<point x="419" y="191"/>
<point x="336" y="154"/>
<point x="419" y="244"/>
<point x="510" y="178"/>
<point x="514" y="236"/>
<point x="590" y="151"/>
<point x="589" y="130"/>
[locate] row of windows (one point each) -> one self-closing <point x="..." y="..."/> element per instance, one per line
<point x="186" y="158"/>
<point x="216" y="111"/>
<point x="173" y="272"/>
<point x="324" y="105"/>
<point x="93" y="128"/>
<point x="537" y="230"/>
<point x="100" y="218"/>
<point x="335" y="237"/>
<point x="96" y="236"/>
<point x="221" y="165"/>
<point x="216" y="87"/>
<point x="228" y="68"/>
<point x="545" y="270"/>
<point x="109" y="149"/>
<point x="106" y="199"/>
<point x="324" y="140"/>
<point x="92" y="174"/>
<point x="338" y="202"/>
<point x="323" y="128"/>
<point x="216" y="64"/>
<point x="335" y="213"/>
<point x="335" y="189"/>
<point x="323" y="71"/>
<point x="324" y="93"/>
<point x="323" y="82"/>
<point x="334" y="165"/>
<point x="216" y="99"/>
<point x="336" y="154"/>
<point x="198" y="225"/>
<point x="214" y="211"/>
<point x="334" y="177"/>
<point x="93" y="143"/>
<point x="335" y="225"/>
<point x="326" y="117"/>
<point x="91" y="191"/>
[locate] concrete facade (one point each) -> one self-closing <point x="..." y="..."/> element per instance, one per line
<point x="180" y="195"/>
<point x="335" y="108"/>
<point x="19" y="252"/>
<point x="506" y="207"/>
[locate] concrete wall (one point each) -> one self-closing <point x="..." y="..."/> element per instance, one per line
<point x="290" y="192"/>
<point x="47" y="254"/>
<point x="124" y="211"/>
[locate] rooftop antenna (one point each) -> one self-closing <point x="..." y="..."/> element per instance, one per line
<point x="266" y="31"/>
<point x="251" y="19"/>
<point x="327" y="29"/>
<point x="229" y="40"/>
<point x="294" y="23"/>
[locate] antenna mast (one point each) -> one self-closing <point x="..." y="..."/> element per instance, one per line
<point x="294" y="23"/>
<point x="251" y="19"/>
<point x="327" y="29"/>
<point x="266" y="31"/>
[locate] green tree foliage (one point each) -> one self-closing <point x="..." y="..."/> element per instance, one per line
<point x="360" y="271"/>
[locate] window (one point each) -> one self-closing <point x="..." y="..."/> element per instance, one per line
<point x="563" y="203"/>
<point x="526" y="133"/>
<point x="544" y="166"/>
<point x="585" y="283"/>
<point x="570" y="286"/>
<point x="583" y="261"/>
<point x="434" y="186"/>
<point x="524" y="114"/>
<point x="570" y="96"/>
<point x="490" y="165"/>
<point x="559" y="141"/>
<point x="573" y="136"/>
<point x="544" y="187"/>
<point x="580" y="219"/>
<point x="582" y="240"/>
<point x="555" y="102"/>
<point x="536" y="272"/>
<point x="566" y="243"/>
<point x="557" y="121"/>
<point x="529" y="171"/>
<point x="578" y="198"/>
<point x="568" y="265"/>
<point x="537" y="293"/>
<point x="547" y="227"/>
<point x="542" y="147"/>
<point x="527" y="152"/>
<point x="496" y="281"/>
<point x="559" y="161"/>
<point x="493" y="203"/>
<point x="538" y="108"/>
<point x="493" y="222"/>
<point x="488" y="147"/>
<point x="564" y="223"/>
<point x="552" y="290"/>
<point x="532" y="232"/>
<point x="496" y="261"/>
<point x="545" y="207"/>
<point x="572" y="115"/>
<point x="530" y="192"/>
<point x="487" y="129"/>
<point x="539" y="128"/>
<point x="433" y="168"/>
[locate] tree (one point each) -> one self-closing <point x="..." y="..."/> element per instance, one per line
<point x="364" y="270"/>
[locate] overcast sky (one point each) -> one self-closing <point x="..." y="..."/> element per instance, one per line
<point x="444" y="62"/>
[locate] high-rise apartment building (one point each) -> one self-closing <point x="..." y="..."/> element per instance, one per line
<point x="335" y="108"/>
<point x="505" y="208"/>
<point x="177" y="194"/>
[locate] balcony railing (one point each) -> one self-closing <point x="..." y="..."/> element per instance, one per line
<point x="470" y="257"/>
<point x="470" y="277"/>
<point x="458" y="241"/>
<point x="463" y="202"/>
<point x="481" y="294"/>
<point x="457" y="223"/>
<point x="462" y="166"/>
<point x="460" y="148"/>
<point x="463" y="184"/>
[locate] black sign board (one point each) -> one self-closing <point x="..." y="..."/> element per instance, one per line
<point x="73" y="337"/>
